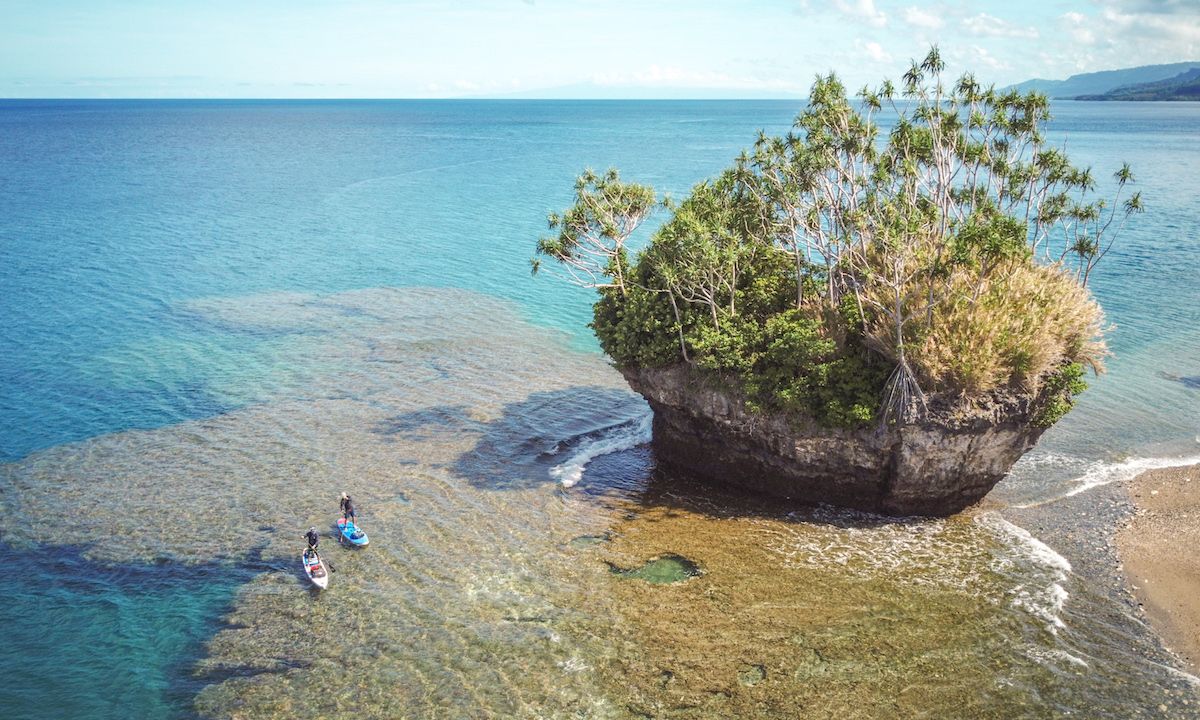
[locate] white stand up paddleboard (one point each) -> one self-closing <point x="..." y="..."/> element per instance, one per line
<point x="315" y="569"/>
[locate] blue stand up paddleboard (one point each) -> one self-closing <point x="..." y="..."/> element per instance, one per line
<point x="351" y="532"/>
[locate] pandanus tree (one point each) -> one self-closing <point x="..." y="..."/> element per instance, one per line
<point x="589" y="246"/>
<point x="930" y="222"/>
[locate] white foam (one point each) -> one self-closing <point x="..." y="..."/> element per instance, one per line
<point x="1052" y="657"/>
<point x="1186" y="676"/>
<point x="1091" y="474"/>
<point x="1101" y="473"/>
<point x="912" y="552"/>
<point x="1047" y="598"/>
<point x="574" y="665"/>
<point x="623" y="437"/>
<point x="1039" y="550"/>
<point x="1046" y="460"/>
<point x="1072" y="658"/>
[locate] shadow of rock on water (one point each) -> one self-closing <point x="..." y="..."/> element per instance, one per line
<point x="519" y="449"/>
<point x="428" y="423"/>
<point x="531" y="439"/>
<point x="670" y="491"/>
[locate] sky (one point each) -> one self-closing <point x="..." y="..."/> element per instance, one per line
<point x="560" y="48"/>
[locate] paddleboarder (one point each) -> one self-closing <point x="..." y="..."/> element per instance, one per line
<point x="348" y="529"/>
<point x="346" y="505"/>
<point x="314" y="566"/>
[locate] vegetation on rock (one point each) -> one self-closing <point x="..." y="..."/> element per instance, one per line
<point x="848" y="272"/>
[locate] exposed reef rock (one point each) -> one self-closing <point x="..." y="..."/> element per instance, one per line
<point x="937" y="466"/>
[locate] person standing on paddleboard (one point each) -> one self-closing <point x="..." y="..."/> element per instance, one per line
<point x="313" y="538"/>
<point x="346" y="505"/>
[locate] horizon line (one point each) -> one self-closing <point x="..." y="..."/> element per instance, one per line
<point x="413" y="98"/>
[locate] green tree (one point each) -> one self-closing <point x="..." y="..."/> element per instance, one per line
<point x="589" y="246"/>
<point x="956" y="248"/>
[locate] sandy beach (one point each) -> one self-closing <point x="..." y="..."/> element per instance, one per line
<point x="1159" y="549"/>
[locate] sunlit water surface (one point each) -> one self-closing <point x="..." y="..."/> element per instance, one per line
<point x="218" y="316"/>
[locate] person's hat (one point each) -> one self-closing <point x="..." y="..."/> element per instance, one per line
<point x="344" y="496"/>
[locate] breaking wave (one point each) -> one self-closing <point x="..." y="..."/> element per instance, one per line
<point x="617" y="438"/>
<point x="1101" y="473"/>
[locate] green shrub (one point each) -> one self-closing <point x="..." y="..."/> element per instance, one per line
<point x="1060" y="390"/>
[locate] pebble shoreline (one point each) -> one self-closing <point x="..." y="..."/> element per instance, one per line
<point x="1092" y="530"/>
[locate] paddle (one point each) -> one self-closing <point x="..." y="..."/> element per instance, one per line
<point x="326" y="561"/>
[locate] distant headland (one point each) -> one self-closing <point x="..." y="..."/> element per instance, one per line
<point x="1174" y="81"/>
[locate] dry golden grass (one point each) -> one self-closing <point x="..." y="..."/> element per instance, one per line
<point x="1009" y="329"/>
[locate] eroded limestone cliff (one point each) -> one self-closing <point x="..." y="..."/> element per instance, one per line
<point x="937" y="466"/>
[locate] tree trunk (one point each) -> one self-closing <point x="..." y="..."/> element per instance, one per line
<point x="679" y="325"/>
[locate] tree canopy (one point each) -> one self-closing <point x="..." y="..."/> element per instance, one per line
<point x="853" y="268"/>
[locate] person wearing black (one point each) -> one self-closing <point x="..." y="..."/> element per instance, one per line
<point x="313" y="538"/>
<point x="346" y="505"/>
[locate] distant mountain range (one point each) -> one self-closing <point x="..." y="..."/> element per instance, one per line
<point x="1126" y="84"/>
<point x="1184" y="86"/>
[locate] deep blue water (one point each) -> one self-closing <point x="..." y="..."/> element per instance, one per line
<point x="86" y="640"/>
<point x="115" y="214"/>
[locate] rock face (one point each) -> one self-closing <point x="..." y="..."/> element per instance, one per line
<point x="936" y="467"/>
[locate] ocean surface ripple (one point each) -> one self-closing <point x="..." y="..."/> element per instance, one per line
<point x="220" y="315"/>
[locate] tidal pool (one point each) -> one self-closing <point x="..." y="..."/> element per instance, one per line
<point x="661" y="570"/>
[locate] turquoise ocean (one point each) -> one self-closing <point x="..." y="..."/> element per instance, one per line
<point x="217" y="315"/>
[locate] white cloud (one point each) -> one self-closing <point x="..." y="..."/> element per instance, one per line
<point x="874" y="51"/>
<point x="982" y="57"/>
<point x="917" y="17"/>
<point x="1136" y="32"/>
<point x="985" y="25"/>
<point x="1093" y="36"/>
<point x="1080" y="28"/>
<point x="656" y="75"/>
<point x="1157" y="6"/>
<point x="864" y="10"/>
<point x="1169" y="24"/>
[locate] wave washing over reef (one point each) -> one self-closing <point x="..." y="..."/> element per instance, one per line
<point x="487" y="589"/>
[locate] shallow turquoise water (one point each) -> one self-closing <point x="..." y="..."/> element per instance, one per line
<point x="139" y="242"/>
<point x="115" y="212"/>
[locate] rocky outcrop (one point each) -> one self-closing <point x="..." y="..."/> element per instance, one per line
<point x="937" y="466"/>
